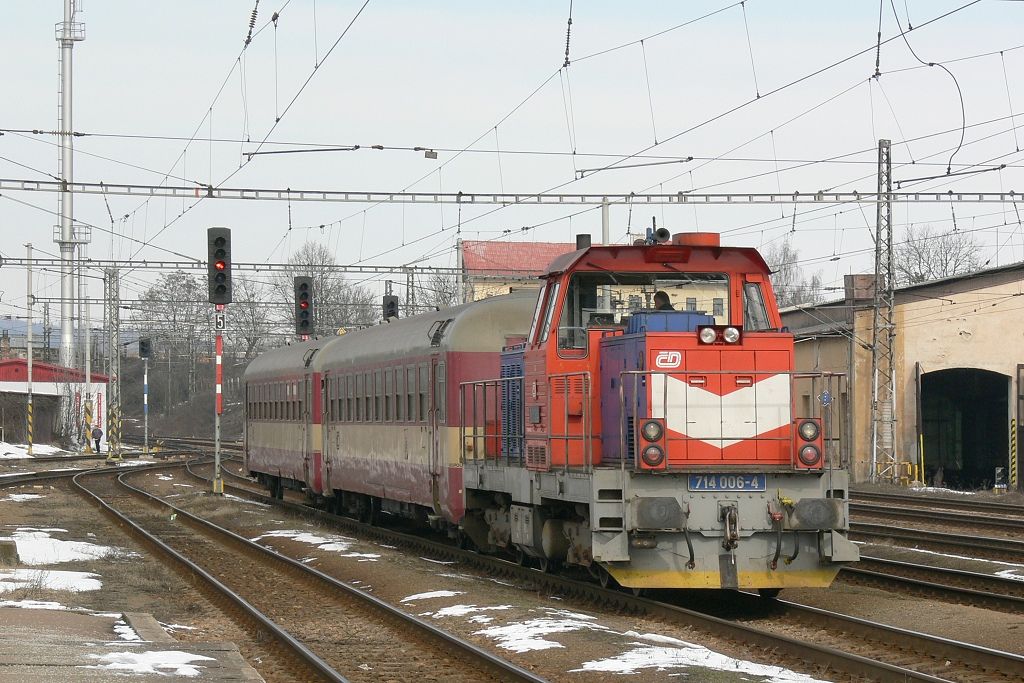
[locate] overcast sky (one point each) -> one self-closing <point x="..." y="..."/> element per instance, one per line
<point x="452" y="75"/>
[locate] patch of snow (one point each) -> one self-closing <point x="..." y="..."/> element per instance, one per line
<point x="125" y="632"/>
<point x="171" y="628"/>
<point x="76" y="582"/>
<point x="935" y="489"/>
<point x="164" y="662"/>
<point x="437" y="561"/>
<point x="20" y="451"/>
<point x="385" y="545"/>
<point x="20" y="497"/>
<point x="246" y="500"/>
<point x="431" y="594"/>
<point x="37" y="547"/>
<point x="480" y="619"/>
<point x="165" y="477"/>
<point x="337" y="544"/>
<point x="33" y="604"/>
<point x="463" y="610"/>
<point x="135" y="463"/>
<point x="644" y="656"/>
<point x="185" y="486"/>
<point x="528" y="636"/>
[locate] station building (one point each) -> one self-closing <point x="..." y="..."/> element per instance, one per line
<point x="490" y="268"/>
<point x="50" y="383"/>
<point x="959" y="368"/>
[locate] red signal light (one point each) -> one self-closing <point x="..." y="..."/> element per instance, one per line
<point x="220" y="265"/>
<point x="304" y="305"/>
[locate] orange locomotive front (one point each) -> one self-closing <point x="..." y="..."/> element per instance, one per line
<point x="652" y="428"/>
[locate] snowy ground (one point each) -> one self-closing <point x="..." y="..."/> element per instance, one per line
<point x="20" y="451"/>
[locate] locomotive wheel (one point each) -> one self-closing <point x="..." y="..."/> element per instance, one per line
<point x="547" y="565"/>
<point x="605" y="578"/>
<point x="374" y="512"/>
<point x="769" y="593"/>
<point x="638" y="592"/>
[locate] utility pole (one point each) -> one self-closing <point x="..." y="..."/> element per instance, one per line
<point x="29" y="300"/>
<point x="883" y="332"/>
<point x="67" y="33"/>
<point x="113" y="323"/>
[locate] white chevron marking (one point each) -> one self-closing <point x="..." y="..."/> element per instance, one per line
<point x="722" y="420"/>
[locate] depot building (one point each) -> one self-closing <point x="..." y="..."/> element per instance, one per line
<point x="959" y="373"/>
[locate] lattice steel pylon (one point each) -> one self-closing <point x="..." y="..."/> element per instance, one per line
<point x="883" y="332"/>
<point x="112" y="313"/>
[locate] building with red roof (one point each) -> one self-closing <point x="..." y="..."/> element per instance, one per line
<point x="490" y="268"/>
<point x="50" y="383"/>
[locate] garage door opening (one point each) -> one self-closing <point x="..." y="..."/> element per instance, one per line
<point x="964" y="413"/>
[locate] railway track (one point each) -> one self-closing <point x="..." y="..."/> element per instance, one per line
<point x="1008" y="549"/>
<point x="297" y="606"/>
<point x="802" y="636"/>
<point x="963" y="503"/>
<point x="938" y="516"/>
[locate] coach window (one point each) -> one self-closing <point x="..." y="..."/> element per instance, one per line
<point x="389" y="393"/>
<point x="358" y="398"/>
<point x="368" y="397"/>
<point x="410" y="394"/>
<point x="439" y="393"/>
<point x="378" y="395"/>
<point x="399" y="391"/>
<point x="424" y="385"/>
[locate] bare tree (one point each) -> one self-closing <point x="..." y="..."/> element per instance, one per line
<point x="441" y="291"/>
<point x="791" y="286"/>
<point x="336" y="302"/>
<point x="250" y="315"/>
<point x="926" y="254"/>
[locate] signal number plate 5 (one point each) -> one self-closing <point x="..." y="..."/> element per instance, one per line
<point x="727" y="482"/>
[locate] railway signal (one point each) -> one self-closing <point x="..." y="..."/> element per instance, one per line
<point x="145" y="348"/>
<point x="390" y="306"/>
<point x="304" y="305"/>
<point x="218" y="242"/>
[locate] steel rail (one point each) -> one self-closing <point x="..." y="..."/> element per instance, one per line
<point x="297" y="648"/>
<point x="934" y="516"/>
<point x="501" y="665"/>
<point x="769" y="642"/>
<point x="920" y="499"/>
<point x="999" y="547"/>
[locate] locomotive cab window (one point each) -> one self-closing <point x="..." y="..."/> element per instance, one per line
<point x="755" y="316"/>
<point x="607" y="300"/>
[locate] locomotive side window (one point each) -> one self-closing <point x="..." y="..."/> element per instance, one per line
<point x="755" y="317"/>
<point x="549" y="312"/>
<point x="535" y="325"/>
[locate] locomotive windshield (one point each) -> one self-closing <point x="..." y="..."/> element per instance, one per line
<point x="608" y="298"/>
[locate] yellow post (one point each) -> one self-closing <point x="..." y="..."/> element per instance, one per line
<point x="88" y="427"/>
<point x="1013" y="454"/>
<point x="920" y="438"/>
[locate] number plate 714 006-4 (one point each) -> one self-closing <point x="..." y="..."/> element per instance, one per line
<point x="726" y="482"/>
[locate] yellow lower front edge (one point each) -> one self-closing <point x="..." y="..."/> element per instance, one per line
<point x="673" y="578"/>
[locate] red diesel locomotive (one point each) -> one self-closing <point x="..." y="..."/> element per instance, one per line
<point x="646" y="423"/>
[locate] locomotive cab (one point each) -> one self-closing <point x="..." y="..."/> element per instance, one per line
<point x="651" y="429"/>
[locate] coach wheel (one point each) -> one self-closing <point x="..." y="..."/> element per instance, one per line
<point x="374" y="515"/>
<point x="769" y="593"/>
<point x="363" y="513"/>
<point x="522" y="559"/>
<point x="638" y="592"/>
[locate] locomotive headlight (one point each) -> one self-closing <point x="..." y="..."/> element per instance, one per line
<point x="809" y="430"/>
<point x="653" y="456"/>
<point x="731" y="335"/>
<point x="652" y="430"/>
<point x="708" y="335"/>
<point x="809" y="455"/>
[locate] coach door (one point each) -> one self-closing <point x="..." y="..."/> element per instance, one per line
<point x="436" y="420"/>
